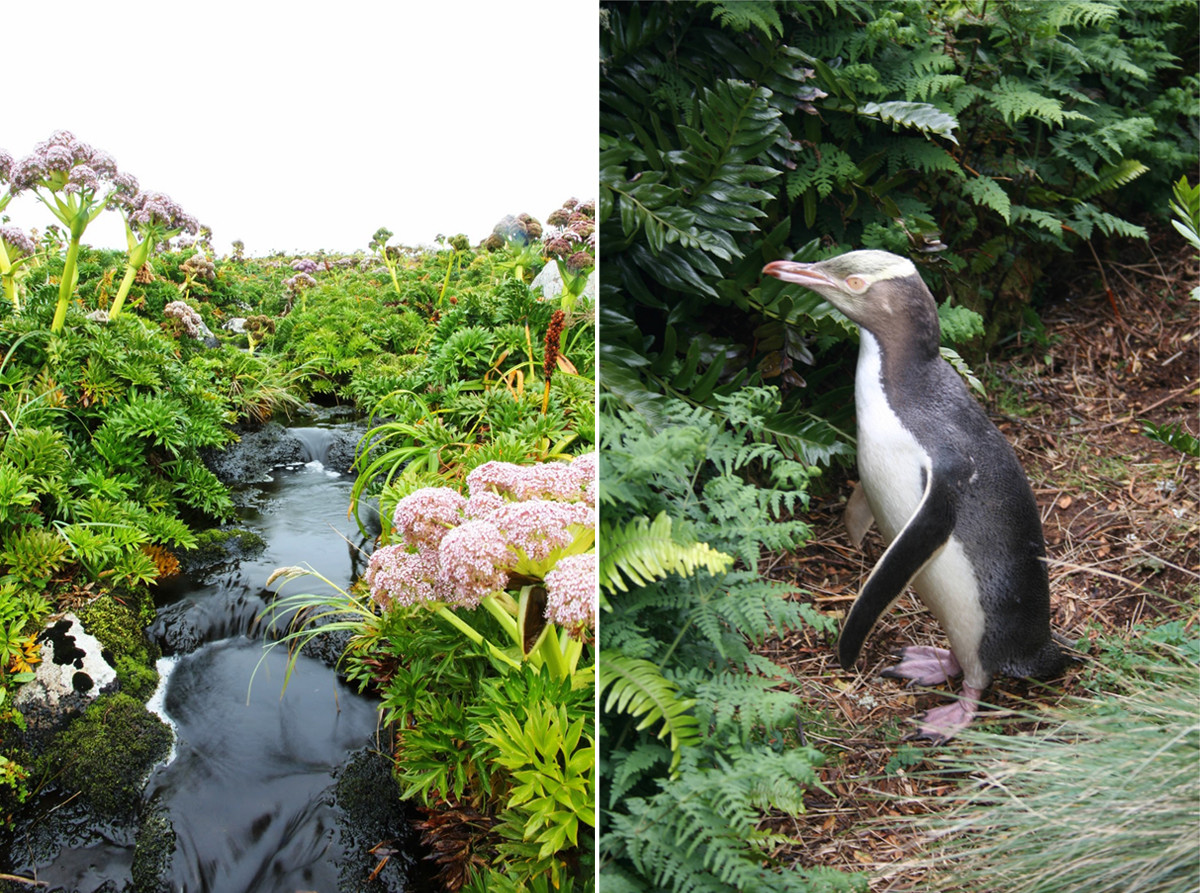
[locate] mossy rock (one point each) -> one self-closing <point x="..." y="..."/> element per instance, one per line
<point x="107" y="753"/>
<point x="220" y="547"/>
<point x="153" y="850"/>
<point x="121" y="630"/>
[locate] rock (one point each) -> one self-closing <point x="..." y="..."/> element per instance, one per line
<point x="254" y="455"/>
<point x="219" y="550"/>
<point x="551" y="283"/>
<point x="72" y="663"/>
<point x="236" y="325"/>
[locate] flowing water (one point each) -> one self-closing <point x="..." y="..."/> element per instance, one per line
<point x="249" y="786"/>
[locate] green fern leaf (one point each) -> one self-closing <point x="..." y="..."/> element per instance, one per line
<point x="921" y="115"/>
<point x="745" y="14"/>
<point x="1086" y="218"/>
<point x="828" y="166"/>
<point x="1041" y="219"/>
<point x="986" y="192"/>
<point x="1015" y="101"/>
<point x="643" y="551"/>
<point x="1082" y="13"/>
<point x="1114" y="175"/>
<point x="638" y="688"/>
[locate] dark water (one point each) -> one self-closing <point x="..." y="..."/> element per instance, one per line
<point x="250" y="787"/>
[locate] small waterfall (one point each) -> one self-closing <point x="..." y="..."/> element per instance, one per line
<point x="317" y="443"/>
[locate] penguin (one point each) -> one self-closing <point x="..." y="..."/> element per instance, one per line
<point x="944" y="487"/>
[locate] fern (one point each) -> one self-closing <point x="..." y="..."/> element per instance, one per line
<point x="986" y="192"/>
<point x="827" y="167"/>
<point x="700" y="831"/>
<point x="642" y="551"/>
<point x="1015" y="101"/>
<point x="746" y="14"/>
<point x="918" y="115"/>
<point x="638" y="688"/>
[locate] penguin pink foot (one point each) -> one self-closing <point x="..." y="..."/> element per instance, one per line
<point x="942" y="723"/>
<point x="925" y="665"/>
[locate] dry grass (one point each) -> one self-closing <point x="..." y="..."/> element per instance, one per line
<point x="1122" y="520"/>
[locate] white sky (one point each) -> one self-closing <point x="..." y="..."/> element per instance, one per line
<point x="299" y="126"/>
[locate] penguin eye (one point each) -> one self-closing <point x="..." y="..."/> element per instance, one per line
<point x="856" y="283"/>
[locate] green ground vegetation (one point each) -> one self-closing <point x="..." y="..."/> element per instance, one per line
<point x="986" y="141"/>
<point x="114" y="386"/>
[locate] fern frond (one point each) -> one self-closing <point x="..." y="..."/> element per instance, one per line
<point x="1114" y="175"/>
<point x="828" y="166"/>
<point x="986" y="192"/>
<point x="1087" y="218"/>
<point x="1041" y="219"/>
<point x="1015" y="101"/>
<point x="1082" y="13"/>
<point x="747" y="14"/>
<point x="643" y="551"/>
<point x="638" y="688"/>
<point x="921" y="115"/>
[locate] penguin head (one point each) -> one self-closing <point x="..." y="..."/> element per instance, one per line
<point x="867" y="286"/>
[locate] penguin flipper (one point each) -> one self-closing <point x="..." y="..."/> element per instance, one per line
<point x="858" y="517"/>
<point x="926" y="532"/>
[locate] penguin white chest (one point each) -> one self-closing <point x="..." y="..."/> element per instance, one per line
<point x="890" y="461"/>
<point x="891" y="466"/>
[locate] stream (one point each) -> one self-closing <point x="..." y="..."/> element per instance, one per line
<point x="251" y="787"/>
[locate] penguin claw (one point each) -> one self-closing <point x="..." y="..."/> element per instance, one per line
<point x="941" y="724"/>
<point x="925" y="665"/>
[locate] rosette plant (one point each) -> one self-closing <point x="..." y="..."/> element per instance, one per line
<point x="16" y="250"/>
<point x="76" y="182"/>
<point x="521" y="545"/>
<point x="151" y="219"/>
<point x="570" y="240"/>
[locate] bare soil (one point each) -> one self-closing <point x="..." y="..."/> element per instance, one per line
<point x="1120" y="514"/>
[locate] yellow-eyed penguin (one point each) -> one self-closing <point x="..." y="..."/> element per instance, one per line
<point x="945" y="488"/>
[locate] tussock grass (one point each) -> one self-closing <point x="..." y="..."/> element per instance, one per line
<point x="1104" y="797"/>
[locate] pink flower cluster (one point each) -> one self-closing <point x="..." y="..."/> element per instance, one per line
<point x="18" y="242"/>
<point x="63" y="162"/>
<point x="571" y="593"/>
<point x="566" y="482"/>
<point x="191" y="321"/>
<point x="458" y="550"/>
<point x="157" y="209"/>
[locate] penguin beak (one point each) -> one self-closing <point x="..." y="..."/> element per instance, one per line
<point x="801" y="274"/>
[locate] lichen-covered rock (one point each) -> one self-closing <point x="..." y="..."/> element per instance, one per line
<point x="73" y="663"/>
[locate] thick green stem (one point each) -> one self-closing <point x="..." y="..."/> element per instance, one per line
<point x="391" y="265"/>
<point x="504" y="614"/>
<point x="446" y="281"/>
<point x="67" y="286"/>
<point x="552" y="654"/>
<point x="10" y="292"/>
<point x="474" y="635"/>
<point x="123" y="291"/>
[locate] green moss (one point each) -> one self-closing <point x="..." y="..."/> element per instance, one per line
<point x="219" y="546"/>
<point x="152" y="852"/>
<point x="138" y="680"/>
<point x="118" y="627"/>
<point x="107" y="753"/>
